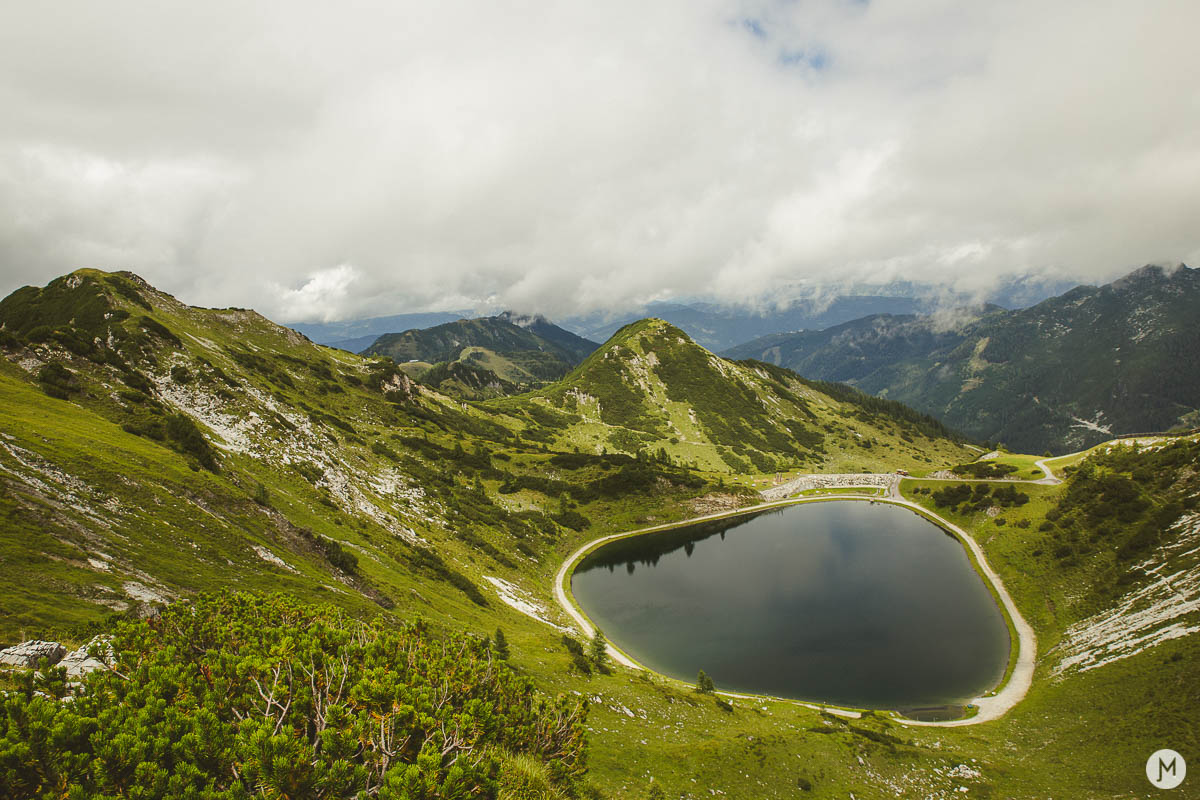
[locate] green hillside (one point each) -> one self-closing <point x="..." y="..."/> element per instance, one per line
<point x="651" y="387"/>
<point x="1065" y="374"/>
<point x="1106" y="570"/>
<point x="151" y="451"/>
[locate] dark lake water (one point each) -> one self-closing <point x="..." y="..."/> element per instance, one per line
<point x="849" y="603"/>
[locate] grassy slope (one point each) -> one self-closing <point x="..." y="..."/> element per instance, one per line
<point x="166" y="507"/>
<point x="1051" y="742"/>
<point x="345" y="450"/>
<point x="652" y="387"/>
<point x="177" y="529"/>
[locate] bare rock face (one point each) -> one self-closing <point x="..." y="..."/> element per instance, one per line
<point x="80" y="662"/>
<point x="29" y="654"/>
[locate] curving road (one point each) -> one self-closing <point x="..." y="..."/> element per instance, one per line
<point x="1045" y="468"/>
<point x="1014" y="690"/>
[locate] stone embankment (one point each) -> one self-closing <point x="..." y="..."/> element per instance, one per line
<point x="873" y="480"/>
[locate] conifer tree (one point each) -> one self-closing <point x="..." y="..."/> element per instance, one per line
<point x="599" y="649"/>
<point x="501" y="644"/>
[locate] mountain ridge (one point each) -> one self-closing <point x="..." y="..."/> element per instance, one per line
<point x="651" y="382"/>
<point x="277" y="457"/>
<point x="1060" y="375"/>
<point x="503" y="354"/>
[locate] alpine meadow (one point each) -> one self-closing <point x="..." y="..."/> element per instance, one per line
<point x="334" y="527"/>
<point x="721" y="400"/>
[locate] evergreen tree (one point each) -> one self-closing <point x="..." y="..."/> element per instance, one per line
<point x="501" y="644"/>
<point x="599" y="649"/>
<point x="704" y="683"/>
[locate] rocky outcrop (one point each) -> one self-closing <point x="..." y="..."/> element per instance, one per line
<point x="29" y="654"/>
<point x="80" y="662"/>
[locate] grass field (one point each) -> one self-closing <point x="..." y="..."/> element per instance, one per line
<point x="1027" y="468"/>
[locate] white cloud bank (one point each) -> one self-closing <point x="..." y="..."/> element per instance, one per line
<point x="319" y="160"/>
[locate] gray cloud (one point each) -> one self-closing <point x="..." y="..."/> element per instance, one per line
<point x="319" y="162"/>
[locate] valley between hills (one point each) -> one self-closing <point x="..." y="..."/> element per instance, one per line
<point x="344" y="580"/>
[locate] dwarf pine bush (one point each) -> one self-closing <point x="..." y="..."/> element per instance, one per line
<point x="240" y="696"/>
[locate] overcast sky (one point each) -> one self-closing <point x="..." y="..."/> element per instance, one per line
<point x="319" y="161"/>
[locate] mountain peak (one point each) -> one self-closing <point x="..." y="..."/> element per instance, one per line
<point x="519" y="350"/>
<point x="649" y="327"/>
<point x="652" y="382"/>
<point x="1152" y="274"/>
<point x="523" y="320"/>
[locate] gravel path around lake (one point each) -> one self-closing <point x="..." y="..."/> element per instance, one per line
<point x="990" y="707"/>
<point x="580" y="620"/>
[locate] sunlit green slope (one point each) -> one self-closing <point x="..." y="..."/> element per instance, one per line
<point x="650" y="386"/>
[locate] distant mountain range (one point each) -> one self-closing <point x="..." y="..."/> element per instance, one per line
<point x="713" y="325"/>
<point x="485" y="357"/>
<point x="710" y="325"/>
<point x="720" y="327"/>
<point x="356" y="334"/>
<point x="1064" y="374"/>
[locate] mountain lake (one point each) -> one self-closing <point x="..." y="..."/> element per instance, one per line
<point x="849" y="603"/>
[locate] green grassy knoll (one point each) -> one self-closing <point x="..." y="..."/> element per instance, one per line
<point x="1027" y="468"/>
<point x="651" y="387"/>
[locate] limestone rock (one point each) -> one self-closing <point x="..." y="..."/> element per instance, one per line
<point x="80" y="662"/>
<point x="29" y="654"/>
